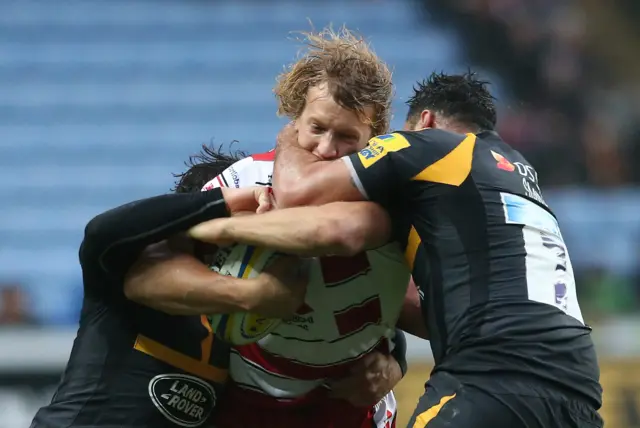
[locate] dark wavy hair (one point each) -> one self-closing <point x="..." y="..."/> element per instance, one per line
<point x="205" y="166"/>
<point x="463" y="98"/>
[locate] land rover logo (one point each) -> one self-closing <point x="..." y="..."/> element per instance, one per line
<point x="184" y="400"/>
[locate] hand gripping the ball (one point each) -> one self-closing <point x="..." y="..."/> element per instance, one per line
<point x="281" y="287"/>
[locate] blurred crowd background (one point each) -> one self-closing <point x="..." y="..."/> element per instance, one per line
<point x="100" y="102"/>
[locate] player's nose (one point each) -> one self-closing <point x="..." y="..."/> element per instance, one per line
<point x="326" y="149"/>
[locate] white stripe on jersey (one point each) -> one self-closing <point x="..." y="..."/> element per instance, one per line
<point x="354" y="176"/>
<point x="248" y="373"/>
<point x="246" y="172"/>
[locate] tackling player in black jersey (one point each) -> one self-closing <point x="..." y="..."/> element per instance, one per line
<point x="497" y="288"/>
<point x="135" y="366"/>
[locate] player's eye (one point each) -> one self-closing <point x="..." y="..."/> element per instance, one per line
<point x="349" y="138"/>
<point x="317" y="128"/>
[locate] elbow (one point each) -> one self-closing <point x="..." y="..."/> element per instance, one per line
<point x="353" y="228"/>
<point x="342" y="237"/>
<point x="93" y="228"/>
<point x="92" y="233"/>
<point x="355" y="237"/>
<point x="139" y="278"/>
<point x="133" y="291"/>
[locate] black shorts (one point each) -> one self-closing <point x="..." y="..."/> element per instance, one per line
<point x="448" y="403"/>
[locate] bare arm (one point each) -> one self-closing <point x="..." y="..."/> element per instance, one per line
<point x="300" y="178"/>
<point x="340" y="228"/>
<point x="177" y="283"/>
<point x="245" y="200"/>
<point x="411" y="319"/>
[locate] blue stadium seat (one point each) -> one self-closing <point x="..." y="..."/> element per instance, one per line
<point x="102" y="101"/>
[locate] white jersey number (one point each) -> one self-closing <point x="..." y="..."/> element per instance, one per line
<point x="550" y="277"/>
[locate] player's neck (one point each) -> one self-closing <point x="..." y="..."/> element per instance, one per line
<point x="459" y="128"/>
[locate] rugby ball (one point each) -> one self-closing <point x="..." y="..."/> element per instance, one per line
<point x="242" y="261"/>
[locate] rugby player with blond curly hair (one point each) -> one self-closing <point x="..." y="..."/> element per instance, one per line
<point x="335" y="361"/>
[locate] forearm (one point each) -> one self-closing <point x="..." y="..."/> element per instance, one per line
<point x="180" y="284"/>
<point x="300" y="178"/>
<point x="292" y="164"/>
<point x="305" y="231"/>
<point x="411" y="319"/>
<point x="341" y="228"/>
<point x="114" y="239"/>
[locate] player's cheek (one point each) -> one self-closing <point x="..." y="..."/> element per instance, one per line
<point x="307" y="140"/>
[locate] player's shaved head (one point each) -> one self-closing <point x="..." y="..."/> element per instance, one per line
<point x="460" y="99"/>
<point x="349" y="69"/>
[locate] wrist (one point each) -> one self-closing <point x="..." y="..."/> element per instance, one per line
<point x="228" y="197"/>
<point x="227" y="294"/>
<point x="249" y="294"/>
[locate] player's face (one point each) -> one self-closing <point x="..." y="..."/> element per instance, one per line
<point x="328" y="130"/>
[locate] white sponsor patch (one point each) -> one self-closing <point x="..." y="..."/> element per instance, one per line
<point x="184" y="400"/>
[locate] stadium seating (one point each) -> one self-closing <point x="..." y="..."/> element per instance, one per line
<point x="101" y="101"/>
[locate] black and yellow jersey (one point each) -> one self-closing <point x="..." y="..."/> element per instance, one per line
<point x="132" y="366"/>
<point x="496" y="284"/>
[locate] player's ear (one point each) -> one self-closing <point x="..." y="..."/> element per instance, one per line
<point x="427" y="119"/>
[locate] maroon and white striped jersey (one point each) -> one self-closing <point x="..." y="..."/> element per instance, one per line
<point x="351" y="309"/>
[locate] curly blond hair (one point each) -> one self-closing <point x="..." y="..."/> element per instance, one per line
<point x="353" y="73"/>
